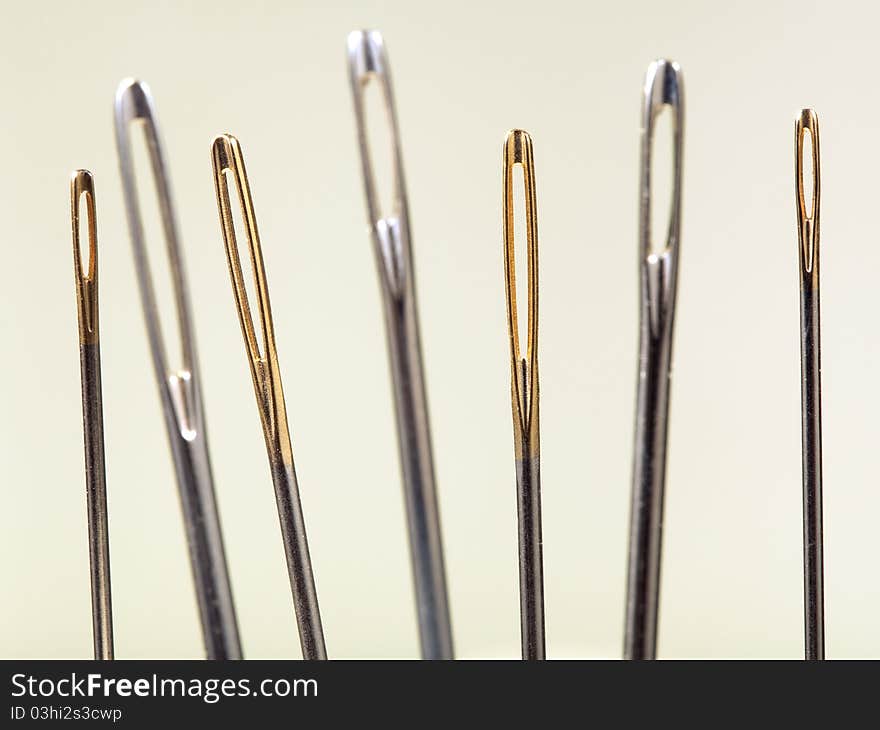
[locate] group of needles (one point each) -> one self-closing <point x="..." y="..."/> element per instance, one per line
<point x="181" y="397"/>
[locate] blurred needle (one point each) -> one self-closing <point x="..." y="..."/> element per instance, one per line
<point x="658" y="275"/>
<point x="266" y="373"/>
<point x="524" y="397"/>
<point x="179" y="390"/>
<point x="391" y="240"/>
<point x="807" y="123"/>
<point x="86" y="278"/>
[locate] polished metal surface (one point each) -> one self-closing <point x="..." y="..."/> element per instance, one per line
<point x="179" y="389"/>
<point x="86" y="277"/>
<point x="807" y="125"/>
<point x="368" y="63"/>
<point x="658" y="276"/>
<point x="228" y="160"/>
<point x="524" y="395"/>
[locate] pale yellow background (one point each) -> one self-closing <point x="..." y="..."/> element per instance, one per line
<point x="274" y="73"/>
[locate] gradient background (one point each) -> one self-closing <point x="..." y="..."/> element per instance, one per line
<point x="274" y="74"/>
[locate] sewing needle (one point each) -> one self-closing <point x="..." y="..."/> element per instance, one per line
<point x="392" y="245"/>
<point x="179" y="390"/>
<point x="658" y="275"/>
<point x="807" y="124"/>
<point x="86" y="278"/>
<point x="266" y="373"/>
<point x="524" y="396"/>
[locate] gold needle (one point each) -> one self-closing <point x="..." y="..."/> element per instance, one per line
<point x="524" y="397"/>
<point x="807" y="124"/>
<point x="86" y="278"/>
<point x="229" y="162"/>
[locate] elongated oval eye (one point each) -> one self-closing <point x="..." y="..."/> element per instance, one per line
<point x="520" y="244"/>
<point x="661" y="162"/>
<point x="249" y="273"/>
<point x="151" y="219"/>
<point x="83" y="212"/>
<point x="806" y="131"/>
<point x="662" y="173"/>
<point x="520" y="248"/>
<point x="238" y="223"/>
<point x="159" y="258"/>
<point x="807" y="180"/>
<point x="380" y="148"/>
<point x="377" y="127"/>
<point x="85" y="250"/>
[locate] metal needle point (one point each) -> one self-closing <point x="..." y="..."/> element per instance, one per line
<point x="86" y="277"/>
<point x="266" y="373"/>
<point x="524" y="397"/>
<point x="179" y="390"/>
<point x="807" y="125"/>
<point x="658" y="276"/>
<point x="390" y="233"/>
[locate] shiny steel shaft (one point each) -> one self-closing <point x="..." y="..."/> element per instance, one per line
<point x="179" y="389"/>
<point x="658" y="275"/>
<point x="807" y="125"/>
<point x="391" y="240"/>
<point x="82" y="187"/>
